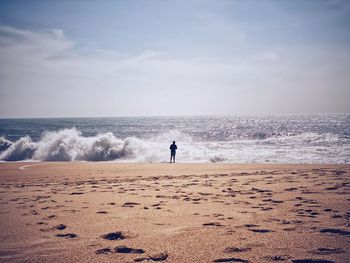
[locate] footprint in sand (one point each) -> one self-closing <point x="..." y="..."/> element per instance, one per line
<point x="261" y="230"/>
<point x="61" y="227"/>
<point x="237" y="249"/>
<point x="212" y="224"/>
<point x="106" y="250"/>
<point x="337" y="216"/>
<point x="328" y="251"/>
<point x="159" y="257"/>
<point x="130" y="204"/>
<point x="155" y="257"/>
<point x="276" y="258"/>
<point x="336" y="231"/>
<point x="69" y="235"/>
<point x="114" y="236"/>
<point x="123" y="249"/>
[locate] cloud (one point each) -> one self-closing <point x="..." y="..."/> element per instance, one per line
<point x="46" y="74"/>
<point x="52" y="41"/>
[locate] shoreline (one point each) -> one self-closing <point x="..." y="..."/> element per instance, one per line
<point x="143" y="168"/>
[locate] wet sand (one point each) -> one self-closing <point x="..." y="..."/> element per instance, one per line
<point x="135" y="212"/>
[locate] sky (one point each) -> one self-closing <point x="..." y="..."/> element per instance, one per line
<point x="187" y="57"/>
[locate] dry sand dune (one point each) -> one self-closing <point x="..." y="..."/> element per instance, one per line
<point x="134" y="212"/>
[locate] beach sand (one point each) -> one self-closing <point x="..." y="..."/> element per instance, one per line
<point x="136" y="212"/>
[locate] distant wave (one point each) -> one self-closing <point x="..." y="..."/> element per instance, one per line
<point x="71" y="145"/>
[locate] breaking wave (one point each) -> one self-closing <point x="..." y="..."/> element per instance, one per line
<point x="71" y="145"/>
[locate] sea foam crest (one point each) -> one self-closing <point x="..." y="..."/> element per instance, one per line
<point x="22" y="149"/>
<point x="70" y="145"/>
<point x="4" y="144"/>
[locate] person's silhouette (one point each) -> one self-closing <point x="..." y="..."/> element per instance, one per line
<point x="173" y="149"/>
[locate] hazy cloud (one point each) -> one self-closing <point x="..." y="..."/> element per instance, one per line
<point x="49" y="74"/>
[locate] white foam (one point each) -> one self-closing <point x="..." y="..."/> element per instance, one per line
<point x="71" y="145"/>
<point x="20" y="150"/>
<point x="4" y="144"/>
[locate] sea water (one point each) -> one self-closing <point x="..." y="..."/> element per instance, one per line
<point x="232" y="139"/>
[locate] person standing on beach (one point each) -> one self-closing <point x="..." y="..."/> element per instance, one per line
<point x="173" y="149"/>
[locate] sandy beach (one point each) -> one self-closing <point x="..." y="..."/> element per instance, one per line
<point x="138" y="212"/>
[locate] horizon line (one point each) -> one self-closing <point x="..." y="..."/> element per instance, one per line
<point x="180" y="115"/>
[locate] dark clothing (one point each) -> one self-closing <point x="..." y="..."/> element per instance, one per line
<point x="173" y="149"/>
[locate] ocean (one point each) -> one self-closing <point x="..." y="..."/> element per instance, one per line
<point x="315" y="138"/>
